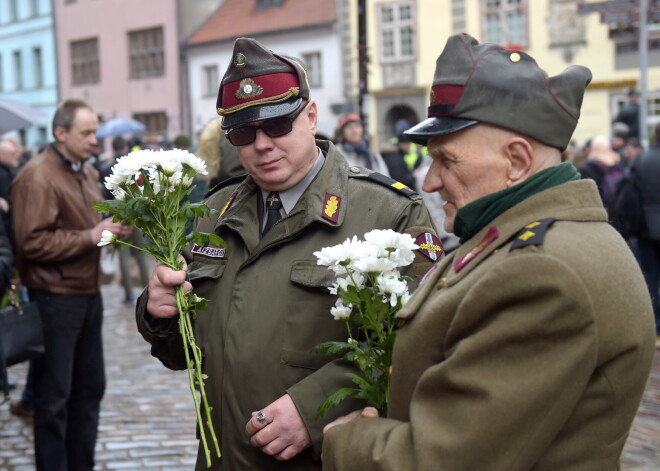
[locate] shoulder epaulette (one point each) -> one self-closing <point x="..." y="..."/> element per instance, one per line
<point x="226" y="183"/>
<point x="532" y="234"/>
<point x="390" y="183"/>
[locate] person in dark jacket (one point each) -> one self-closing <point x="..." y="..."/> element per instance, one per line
<point x="6" y="260"/>
<point x="649" y="242"/>
<point x="629" y="114"/>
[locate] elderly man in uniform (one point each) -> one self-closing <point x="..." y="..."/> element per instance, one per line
<point x="527" y="348"/>
<point x="269" y="305"/>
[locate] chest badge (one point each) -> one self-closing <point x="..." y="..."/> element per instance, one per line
<point x="490" y="237"/>
<point x="429" y="245"/>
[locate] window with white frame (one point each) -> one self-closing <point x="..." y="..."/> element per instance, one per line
<point x="312" y="62"/>
<point x="397" y="31"/>
<point x="210" y="80"/>
<point x="505" y="22"/>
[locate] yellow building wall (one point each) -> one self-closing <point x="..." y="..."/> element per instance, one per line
<point x="434" y="25"/>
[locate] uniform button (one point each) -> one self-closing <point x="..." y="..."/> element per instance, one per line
<point x="441" y="284"/>
<point x="355" y="169"/>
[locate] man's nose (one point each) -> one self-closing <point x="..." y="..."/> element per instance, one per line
<point x="262" y="140"/>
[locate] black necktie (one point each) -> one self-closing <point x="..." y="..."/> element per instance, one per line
<point x="273" y="214"/>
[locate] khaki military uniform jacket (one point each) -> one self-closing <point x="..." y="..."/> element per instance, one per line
<point x="268" y="304"/>
<point x="513" y="360"/>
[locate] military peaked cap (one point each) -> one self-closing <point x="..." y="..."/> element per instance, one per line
<point x="259" y="84"/>
<point x="487" y="83"/>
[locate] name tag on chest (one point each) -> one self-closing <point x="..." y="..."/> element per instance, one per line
<point x="214" y="252"/>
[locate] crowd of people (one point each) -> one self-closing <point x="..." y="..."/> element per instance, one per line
<point x="522" y="347"/>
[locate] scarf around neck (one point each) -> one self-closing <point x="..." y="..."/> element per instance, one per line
<point x="474" y="216"/>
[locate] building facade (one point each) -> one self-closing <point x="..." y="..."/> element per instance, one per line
<point x="28" y="66"/>
<point x="406" y="36"/>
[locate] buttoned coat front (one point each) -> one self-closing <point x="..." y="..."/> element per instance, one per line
<point x="269" y="305"/>
<point x="514" y="360"/>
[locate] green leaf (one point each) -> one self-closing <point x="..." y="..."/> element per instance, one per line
<point x="333" y="348"/>
<point x="334" y="399"/>
<point x="206" y="239"/>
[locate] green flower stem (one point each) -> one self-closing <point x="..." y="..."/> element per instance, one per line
<point x="194" y="365"/>
<point x="195" y="373"/>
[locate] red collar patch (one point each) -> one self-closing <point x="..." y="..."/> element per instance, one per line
<point x="429" y="245"/>
<point x="331" y="205"/>
<point x="490" y="237"/>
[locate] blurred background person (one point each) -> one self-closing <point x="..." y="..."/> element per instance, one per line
<point x="221" y="157"/>
<point x="349" y="138"/>
<point x="629" y="115"/>
<point x="649" y="242"/>
<point x="604" y="167"/>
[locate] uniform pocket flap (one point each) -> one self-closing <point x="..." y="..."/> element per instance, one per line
<point x="207" y="270"/>
<point x="308" y="273"/>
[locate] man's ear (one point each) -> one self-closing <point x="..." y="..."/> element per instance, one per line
<point x="59" y="133"/>
<point x="312" y="115"/>
<point x="520" y="154"/>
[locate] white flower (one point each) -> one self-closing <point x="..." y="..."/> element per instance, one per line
<point x="191" y="160"/>
<point x="107" y="238"/>
<point x="358" y="280"/>
<point x="341" y="312"/>
<point x="171" y="166"/>
<point x="390" y="284"/>
<point x="168" y="163"/>
<point x="375" y="265"/>
<point x="393" y="245"/>
<point x="339" y="257"/>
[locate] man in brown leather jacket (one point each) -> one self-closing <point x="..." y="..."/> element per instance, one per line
<point x="56" y="233"/>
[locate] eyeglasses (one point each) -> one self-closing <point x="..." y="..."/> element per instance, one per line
<point x="274" y="127"/>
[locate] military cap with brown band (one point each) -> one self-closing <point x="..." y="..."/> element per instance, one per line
<point x="259" y="84"/>
<point x="490" y="84"/>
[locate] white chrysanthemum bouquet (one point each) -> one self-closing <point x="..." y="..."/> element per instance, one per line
<point x="370" y="290"/>
<point x="150" y="189"/>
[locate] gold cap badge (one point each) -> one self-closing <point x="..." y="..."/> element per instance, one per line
<point x="248" y="89"/>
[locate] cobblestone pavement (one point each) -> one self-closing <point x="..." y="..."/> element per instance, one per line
<point x="148" y="420"/>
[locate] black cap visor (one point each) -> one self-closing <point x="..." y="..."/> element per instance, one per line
<point x="437" y="126"/>
<point x="260" y="112"/>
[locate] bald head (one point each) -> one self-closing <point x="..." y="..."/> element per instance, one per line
<point x="9" y="154"/>
<point x="601" y="150"/>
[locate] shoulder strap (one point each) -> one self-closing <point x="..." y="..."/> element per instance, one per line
<point x="532" y="234"/>
<point x="225" y="183"/>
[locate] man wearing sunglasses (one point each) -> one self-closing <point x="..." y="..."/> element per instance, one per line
<point x="269" y="303"/>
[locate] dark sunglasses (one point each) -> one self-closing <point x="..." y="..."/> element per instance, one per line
<point x="275" y="127"/>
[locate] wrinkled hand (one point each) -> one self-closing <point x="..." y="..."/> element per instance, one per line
<point x="162" y="300"/>
<point x="284" y="435"/>
<point x="367" y="412"/>
<point x="117" y="228"/>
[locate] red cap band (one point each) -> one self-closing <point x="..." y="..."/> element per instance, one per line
<point x="263" y="89"/>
